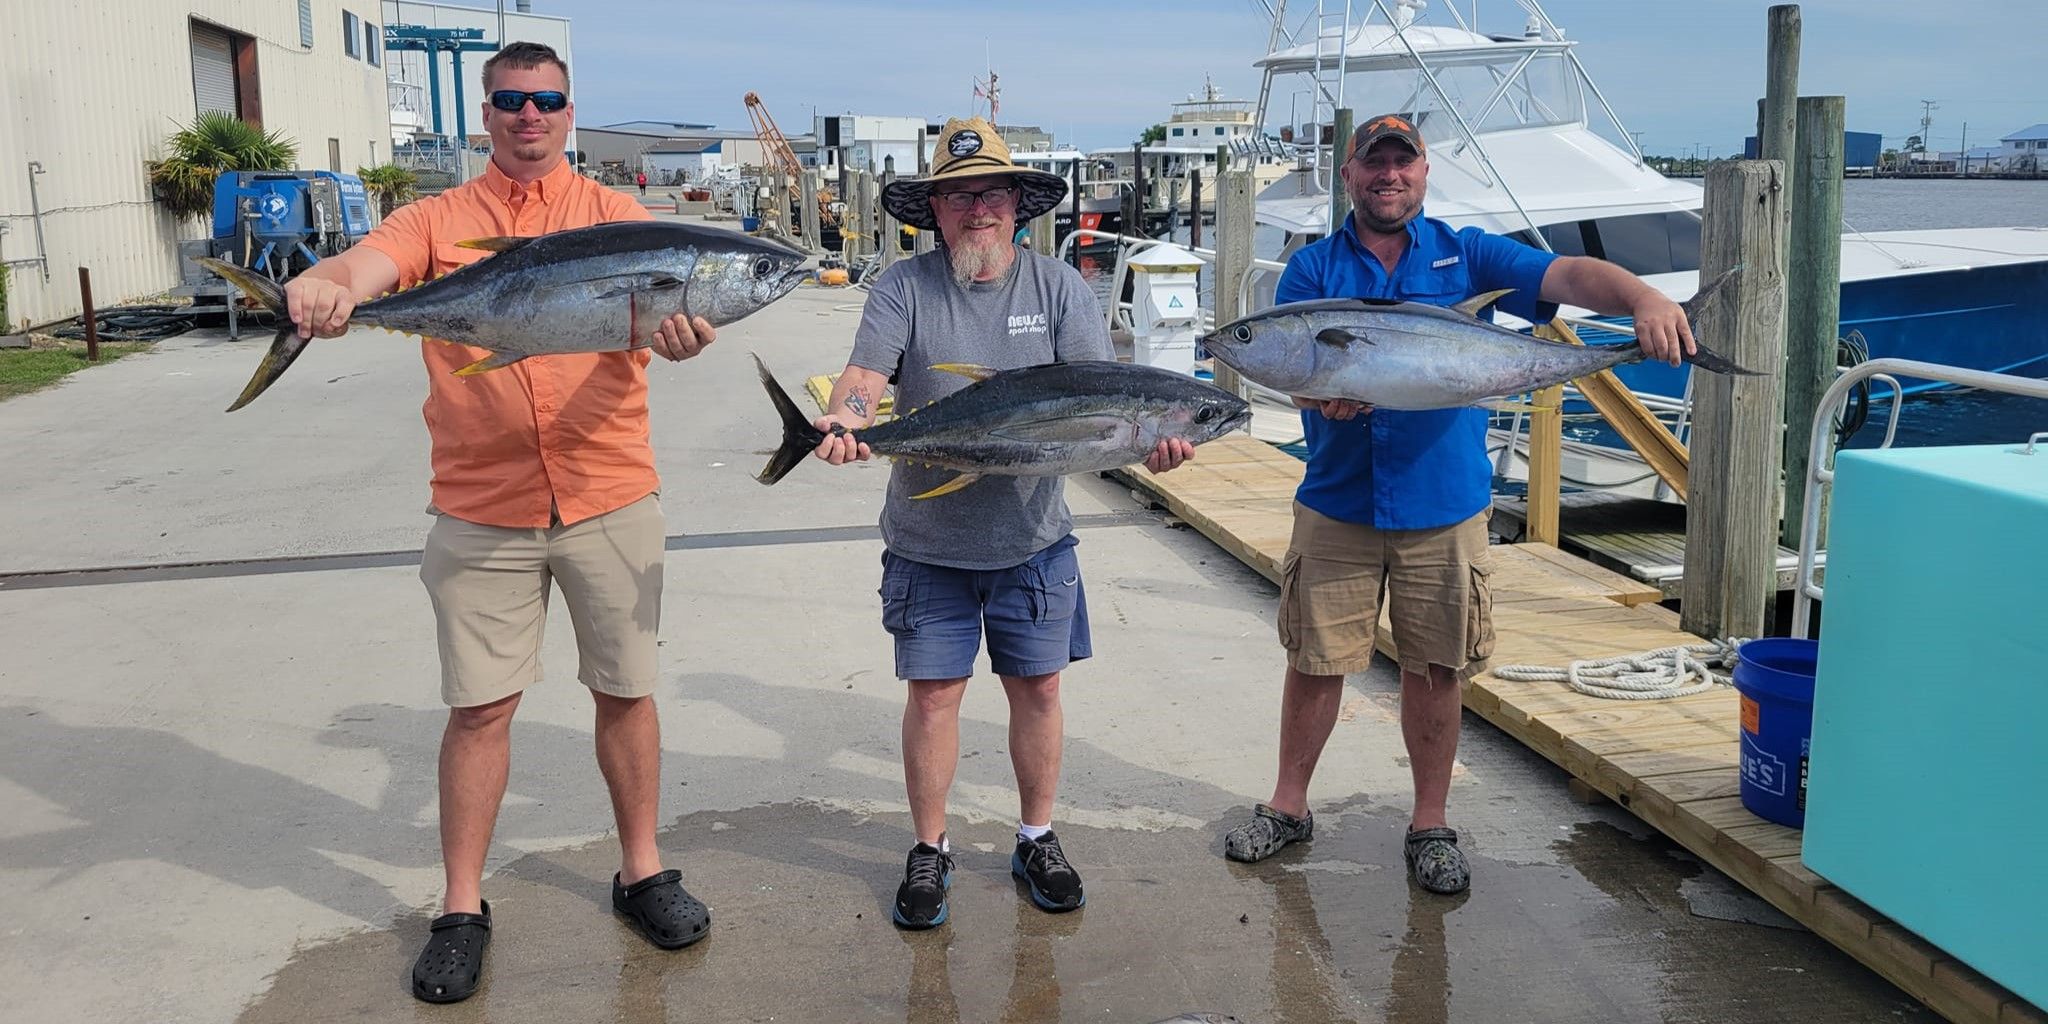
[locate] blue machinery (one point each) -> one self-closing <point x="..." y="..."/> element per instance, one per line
<point x="434" y="42"/>
<point x="278" y="223"/>
<point x="272" y="220"/>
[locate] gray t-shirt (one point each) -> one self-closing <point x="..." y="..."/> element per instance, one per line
<point x="917" y="315"/>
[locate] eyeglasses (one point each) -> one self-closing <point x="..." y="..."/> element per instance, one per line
<point x="993" y="198"/>
<point x="513" y="101"/>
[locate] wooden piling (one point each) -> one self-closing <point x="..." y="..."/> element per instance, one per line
<point x="1813" y="308"/>
<point x="1134" y="223"/>
<point x="1731" y="541"/>
<point x="1234" y="229"/>
<point x="1195" y="208"/>
<point x="1074" y="212"/>
<point x="885" y="225"/>
<point x="1781" y="88"/>
<point x="807" y="217"/>
<point x="1340" y="151"/>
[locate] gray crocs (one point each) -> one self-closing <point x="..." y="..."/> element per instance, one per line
<point x="1435" y="862"/>
<point x="1266" y="833"/>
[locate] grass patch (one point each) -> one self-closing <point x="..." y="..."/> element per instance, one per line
<point x="32" y="369"/>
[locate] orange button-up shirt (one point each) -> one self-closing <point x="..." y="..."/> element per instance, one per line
<point x="553" y="436"/>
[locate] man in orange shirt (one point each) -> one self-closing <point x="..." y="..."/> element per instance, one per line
<point x="541" y="471"/>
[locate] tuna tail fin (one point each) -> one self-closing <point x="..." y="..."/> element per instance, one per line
<point x="1708" y="360"/>
<point x="799" y="438"/>
<point x="284" y="348"/>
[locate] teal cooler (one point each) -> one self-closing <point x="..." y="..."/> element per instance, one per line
<point x="1928" y="789"/>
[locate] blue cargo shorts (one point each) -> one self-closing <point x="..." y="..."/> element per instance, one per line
<point x="1035" y="615"/>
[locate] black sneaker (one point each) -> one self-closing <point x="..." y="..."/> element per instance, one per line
<point x="921" y="899"/>
<point x="1055" y="885"/>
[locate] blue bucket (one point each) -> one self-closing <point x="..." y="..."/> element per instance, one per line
<point x="750" y="224"/>
<point x="1774" y="677"/>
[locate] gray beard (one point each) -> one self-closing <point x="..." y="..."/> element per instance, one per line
<point x="970" y="262"/>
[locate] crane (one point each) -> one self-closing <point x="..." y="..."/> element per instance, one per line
<point x="776" y="150"/>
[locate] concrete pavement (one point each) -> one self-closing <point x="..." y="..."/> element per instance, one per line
<point x="217" y="796"/>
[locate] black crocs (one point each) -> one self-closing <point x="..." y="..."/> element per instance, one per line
<point x="1266" y="832"/>
<point x="661" y="910"/>
<point x="452" y="963"/>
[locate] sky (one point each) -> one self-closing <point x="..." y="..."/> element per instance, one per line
<point x="1096" y="73"/>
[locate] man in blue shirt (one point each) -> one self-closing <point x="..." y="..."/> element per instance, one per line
<point x="1395" y="503"/>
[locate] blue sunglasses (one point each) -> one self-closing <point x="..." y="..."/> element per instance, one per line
<point x="513" y="101"/>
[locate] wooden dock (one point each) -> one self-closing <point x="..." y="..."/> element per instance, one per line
<point x="1671" y="762"/>
<point x="1637" y="537"/>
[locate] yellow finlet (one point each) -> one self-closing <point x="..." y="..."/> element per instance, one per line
<point x="489" y="362"/>
<point x="1472" y="306"/>
<point x="948" y="487"/>
<point x="972" y="371"/>
<point x="492" y="243"/>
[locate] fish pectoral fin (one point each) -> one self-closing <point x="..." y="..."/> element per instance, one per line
<point x="1472" y="306"/>
<point x="1338" y="337"/>
<point x="972" y="371"/>
<point x="494" y="243"/>
<point x="629" y="284"/>
<point x="495" y="360"/>
<point x="948" y="487"/>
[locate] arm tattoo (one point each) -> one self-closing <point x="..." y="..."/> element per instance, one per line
<point x="857" y="401"/>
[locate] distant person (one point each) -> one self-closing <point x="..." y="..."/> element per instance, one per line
<point x="995" y="559"/>
<point x="543" y="473"/>
<point x="1394" y="505"/>
<point x="641" y="180"/>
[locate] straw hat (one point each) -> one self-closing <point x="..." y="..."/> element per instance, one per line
<point x="971" y="148"/>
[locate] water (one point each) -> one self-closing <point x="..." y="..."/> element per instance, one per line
<point x="1887" y="204"/>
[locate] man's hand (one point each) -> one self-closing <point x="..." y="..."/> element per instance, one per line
<point x="1334" y="408"/>
<point x="1661" y="329"/>
<point x="839" y="449"/>
<point x="1169" y="455"/>
<point x="320" y="307"/>
<point x="681" y="337"/>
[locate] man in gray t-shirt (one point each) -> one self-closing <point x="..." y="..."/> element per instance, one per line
<point x="995" y="558"/>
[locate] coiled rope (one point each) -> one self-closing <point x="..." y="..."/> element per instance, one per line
<point x="1661" y="674"/>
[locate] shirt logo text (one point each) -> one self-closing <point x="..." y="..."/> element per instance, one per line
<point x="1027" y="323"/>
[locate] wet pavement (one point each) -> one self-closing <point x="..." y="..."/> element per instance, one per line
<point x="217" y="793"/>
<point x="1331" y="931"/>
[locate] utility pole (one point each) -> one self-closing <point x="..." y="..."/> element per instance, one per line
<point x="1927" y="109"/>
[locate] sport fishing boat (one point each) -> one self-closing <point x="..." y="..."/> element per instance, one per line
<point x="1518" y="144"/>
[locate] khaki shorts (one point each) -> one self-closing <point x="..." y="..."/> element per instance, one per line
<point x="1335" y="575"/>
<point x="489" y="585"/>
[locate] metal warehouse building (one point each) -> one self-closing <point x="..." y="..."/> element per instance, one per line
<point x="94" y="90"/>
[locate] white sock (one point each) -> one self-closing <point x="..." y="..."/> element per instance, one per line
<point x="1032" y="831"/>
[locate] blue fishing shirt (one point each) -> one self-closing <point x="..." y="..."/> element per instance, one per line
<point x="1409" y="470"/>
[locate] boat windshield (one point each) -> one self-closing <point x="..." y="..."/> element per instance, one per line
<point x="1547" y="92"/>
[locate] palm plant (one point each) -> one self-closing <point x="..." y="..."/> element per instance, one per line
<point x="394" y="186"/>
<point x="214" y="143"/>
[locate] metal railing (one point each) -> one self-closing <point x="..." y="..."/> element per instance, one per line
<point x="1820" y="471"/>
<point x="1116" y="311"/>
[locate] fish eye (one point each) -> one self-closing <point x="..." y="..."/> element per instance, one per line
<point x="1208" y="413"/>
<point x="762" y="266"/>
<point x="1243" y="332"/>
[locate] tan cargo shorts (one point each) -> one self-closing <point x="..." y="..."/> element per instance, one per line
<point x="489" y="586"/>
<point x="1336" y="574"/>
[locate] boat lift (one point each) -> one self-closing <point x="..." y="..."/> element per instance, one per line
<point x="434" y="42"/>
